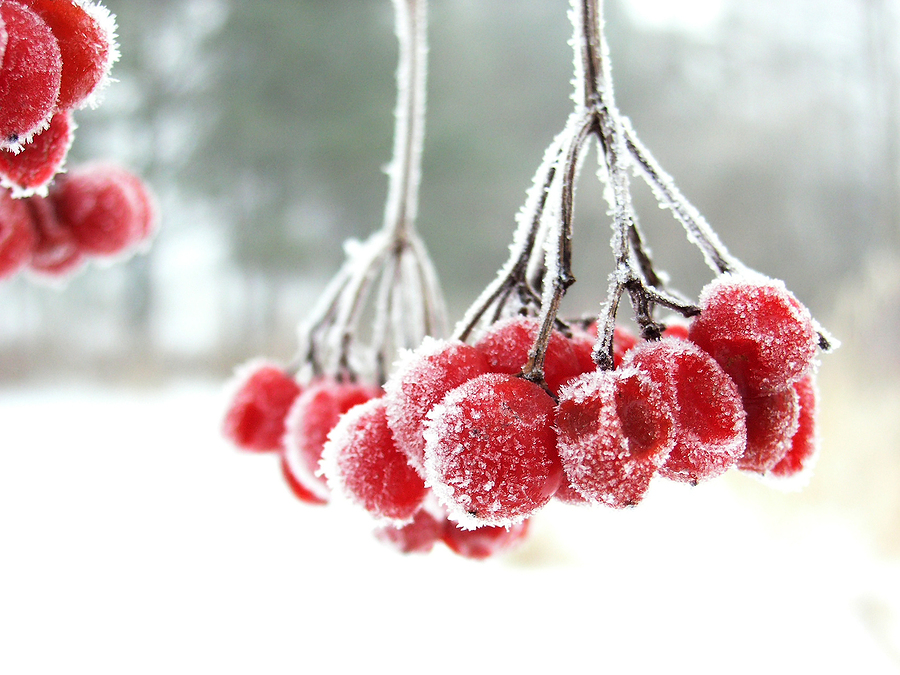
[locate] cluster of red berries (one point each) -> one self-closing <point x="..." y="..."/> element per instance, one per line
<point x="94" y="211"/>
<point x="54" y="56"/>
<point x="459" y="447"/>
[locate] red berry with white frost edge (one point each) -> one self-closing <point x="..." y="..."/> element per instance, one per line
<point x="29" y="76"/>
<point x="756" y="330"/>
<point x="804" y="447"/>
<point x="506" y="345"/>
<point x="485" y="541"/>
<point x="771" y="424"/>
<point x="615" y="431"/>
<point x="85" y="32"/>
<point x="362" y="460"/>
<point x="104" y="206"/>
<point x="32" y="169"/>
<point x="417" y="536"/>
<point x="309" y="421"/>
<point x="421" y="380"/>
<point x="256" y="412"/>
<point x="490" y="453"/>
<point x="297" y="488"/>
<point x="710" y="422"/>
<point x="17" y="234"/>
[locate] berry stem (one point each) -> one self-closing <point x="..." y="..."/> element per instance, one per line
<point x="407" y="303"/>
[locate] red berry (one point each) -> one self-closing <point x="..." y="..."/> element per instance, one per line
<point x="103" y="207"/>
<point x="86" y="36"/>
<point x="623" y="341"/>
<point x="255" y="416"/>
<point x="506" y="345"/>
<point x="17" y="234"/>
<point x="615" y="431"/>
<point x="567" y="494"/>
<point x="710" y="424"/>
<point x="29" y="75"/>
<point x="417" y="536"/>
<point x="490" y="453"/>
<point x="804" y="446"/>
<point x="420" y="381"/>
<point x="362" y="460"/>
<point x="56" y="252"/>
<point x="311" y="417"/>
<point x="485" y="541"/>
<point x="676" y="330"/>
<point x="771" y="423"/>
<point x="32" y="169"/>
<point x="297" y="488"/>
<point x="757" y="331"/>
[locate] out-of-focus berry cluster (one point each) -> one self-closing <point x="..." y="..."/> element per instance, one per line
<point x="96" y="211"/>
<point x="55" y="57"/>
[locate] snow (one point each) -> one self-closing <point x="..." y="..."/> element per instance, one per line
<point x="135" y="540"/>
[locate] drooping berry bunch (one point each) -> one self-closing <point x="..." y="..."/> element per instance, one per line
<point x="475" y="433"/>
<point x="55" y="55"/>
<point x="94" y="211"/>
<point x="384" y="298"/>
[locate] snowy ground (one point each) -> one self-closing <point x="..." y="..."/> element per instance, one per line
<point x="133" y="540"/>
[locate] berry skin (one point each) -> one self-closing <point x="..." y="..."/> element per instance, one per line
<point x="86" y="36"/>
<point x="17" y="234"/>
<point x="710" y="422"/>
<point x="29" y="76"/>
<point x="32" y="169"/>
<point x="420" y="381"/>
<point x="804" y="447"/>
<point x="297" y="488"/>
<point x="362" y="460"/>
<point x="615" y="431"/>
<point x="311" y="417"/>
<point x="417" y="536"/>
<point x="490" y="453"/>
<point x="583" y="344"/>
<point x="104" y="206"/>
<point x="254" y="419"/>
<point x="56" y="252"/>
<point x="506" y="345"/>
<point x="771" y="424"/>
<point x="757" y="331"/>
<point x="485" y="541"/>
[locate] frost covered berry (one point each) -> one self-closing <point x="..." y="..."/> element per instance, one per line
<point x="772" y="421"/>
<point x="17" y="235"/>
<point x="710" y="422"/>
<point x="615" y="431"/>
<point x="56" y="252"/>
<point x="255" y="416"/>
<point x="804" y="446"/>
<point x="506" y="345"/>
<point x="757" y="331"/>
<point x="485" y="541"/>
<point x="106" y="208"/>
<point x="417" y="536"/>
<point x="421" y="380"/>
<point x="310" y="419"/>
<point x="33" y="168"/>
<point x="362" y="460"/>
<point x="490" y="453"/>
<point x="30" y="75"/>
<point x="85" y="32"/>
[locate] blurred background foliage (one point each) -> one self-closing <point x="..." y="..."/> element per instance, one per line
<point x="264" y="127"/>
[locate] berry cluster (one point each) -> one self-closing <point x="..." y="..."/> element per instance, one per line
<point x="94" y="211"/>
<point x="465" y="438"/>
<point x="54" y="56"/>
